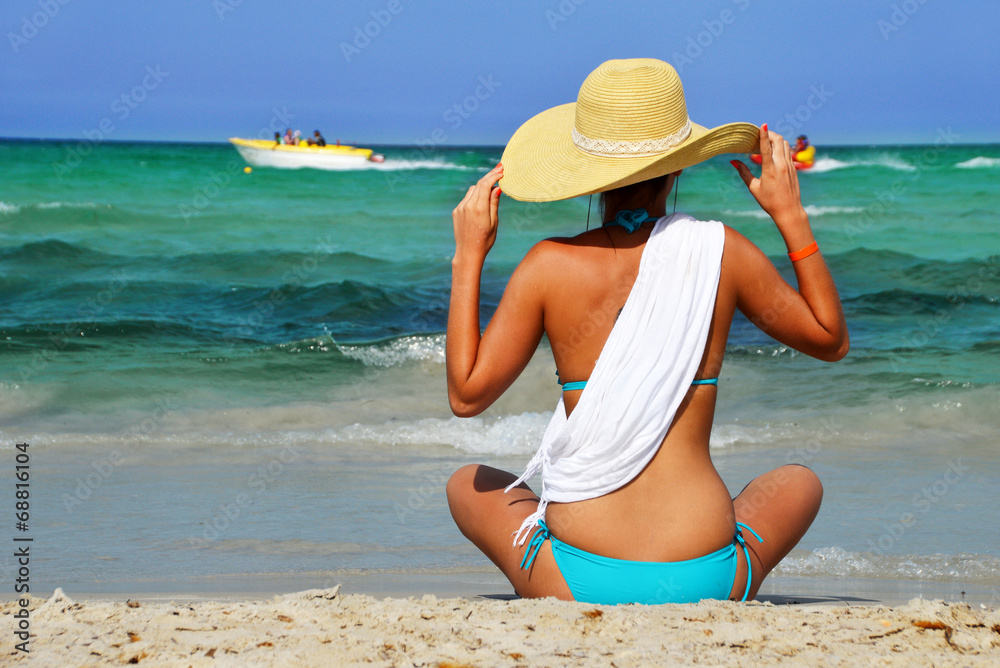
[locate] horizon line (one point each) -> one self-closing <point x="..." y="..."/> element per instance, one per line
<point x="193" y="142"/>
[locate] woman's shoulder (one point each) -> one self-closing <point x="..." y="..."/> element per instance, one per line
<point x="736" y="243"/>
<point x="569" y="246"/>
<point x="555" y="257"/>
<point x="742" y="261"/>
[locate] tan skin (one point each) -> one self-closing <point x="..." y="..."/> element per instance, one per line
<point x="678" y="507"/>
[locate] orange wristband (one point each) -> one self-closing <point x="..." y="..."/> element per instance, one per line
<point x="804" y="253"/>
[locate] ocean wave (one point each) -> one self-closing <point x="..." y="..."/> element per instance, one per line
<point x="972" y="278"/>
<point x="517" y="435"/>
<point x="912" y="303"/>
<point x="811" y="209"/>
<point x="828" y="165"/>
<point x="816" y="210"/>
<point x="398" y="351"/>
<point x="83" y="333"/>
<point x="508" y="435"/>
<point x="348" y="310"/>
<point x="890" y="161"/>
<point x="37" y="252"/>
<point x="730" y="435"/>
<point x="9" y="208"/>
<point x="887" y="161"/>
<point x="413" y="416"/>
<point x="979" y="162"/>
<point x="257" y="267"/>
<point x="72" y="205"/>
<point x="836" y="561"/>
<point x="392" y="164"/>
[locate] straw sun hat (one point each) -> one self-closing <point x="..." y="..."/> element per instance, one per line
<point x="629" y="124"/>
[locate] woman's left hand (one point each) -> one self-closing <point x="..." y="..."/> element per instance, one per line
<point x="476" y="217"/>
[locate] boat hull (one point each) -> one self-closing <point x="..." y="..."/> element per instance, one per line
<point x="269" y="154"/>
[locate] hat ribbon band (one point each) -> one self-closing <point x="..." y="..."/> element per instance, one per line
<point x="630" y="149"/>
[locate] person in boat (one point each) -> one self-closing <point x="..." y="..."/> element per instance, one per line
<point x="803" y="151"/>
<point x="637" y="313"/>
<point x="277" y="139"/>
<point x="289" y="140"/>
<point x="317" y="139"/>
<point x="297" y="138"/>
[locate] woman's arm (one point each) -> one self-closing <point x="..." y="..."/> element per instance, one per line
<point x="812" y="319"/>
<point x="480" y="369"/>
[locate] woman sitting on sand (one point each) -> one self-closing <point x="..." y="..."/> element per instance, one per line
<point x="637" y="313"/>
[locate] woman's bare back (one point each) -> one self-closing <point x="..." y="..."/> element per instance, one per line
<point x="678" y="507"/>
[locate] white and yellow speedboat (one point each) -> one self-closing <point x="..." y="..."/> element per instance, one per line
<point x="266" y="153"/>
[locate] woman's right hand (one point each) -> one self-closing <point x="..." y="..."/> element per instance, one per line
<point x="476" y="217"/>
<point x="777" y="189"/>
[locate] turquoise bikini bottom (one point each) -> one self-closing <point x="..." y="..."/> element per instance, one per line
<point x="606" y="581"/>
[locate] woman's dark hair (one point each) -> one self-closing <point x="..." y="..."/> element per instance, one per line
<point x="610" y="202"/>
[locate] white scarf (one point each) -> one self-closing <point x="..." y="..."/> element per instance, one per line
<point x="643" y="373"/>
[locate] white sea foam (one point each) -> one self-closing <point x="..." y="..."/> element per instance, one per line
<point x="72" y="205"/>
<point x="392" y="164"/>
<point x="979" y="162"/>
<point x="508" y="435"/>
<point x="749" y="213"/>
<point x="884" y="160"/>
<point x="836" y="561"/>
<point x="416" y="417"/>
<point x="811" y="209"/>
<point x="815" y="210"/>
<point x="7" y="208"/>
<point x="398" y="351"/>
<point x="518" y="434"/>
<point x="729" y="435"/>
<point x="828" y="164"/>
<point x="891" y="161"/>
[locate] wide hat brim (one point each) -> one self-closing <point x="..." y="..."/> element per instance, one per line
<point x="542" y="164"/>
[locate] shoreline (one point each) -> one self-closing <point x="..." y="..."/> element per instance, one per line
<point x="328" y="627"/>
<point x="487" y="583"/>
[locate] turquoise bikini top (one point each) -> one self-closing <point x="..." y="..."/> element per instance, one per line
<point x="631" y="220"/>
<point x="580" y="384"/>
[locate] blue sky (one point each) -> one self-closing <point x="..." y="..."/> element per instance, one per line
<point x="409" y="71"/>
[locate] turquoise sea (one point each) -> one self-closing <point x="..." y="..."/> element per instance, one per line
<point x="230" y="375"/>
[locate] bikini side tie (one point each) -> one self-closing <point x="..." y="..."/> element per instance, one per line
<point x="541" y="535"/>
<point x="746" y="553"/>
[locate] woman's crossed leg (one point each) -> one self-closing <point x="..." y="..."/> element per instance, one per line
<point x="779" y="505"/>
<point x="489" y="518"/>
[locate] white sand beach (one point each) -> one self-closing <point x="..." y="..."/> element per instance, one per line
<point x="322" y="627"/>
